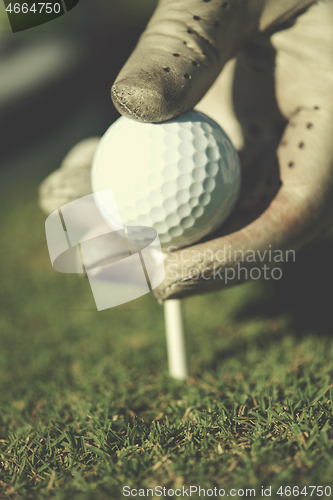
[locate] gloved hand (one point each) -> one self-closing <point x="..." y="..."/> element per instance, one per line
<point x="274" y="99"/>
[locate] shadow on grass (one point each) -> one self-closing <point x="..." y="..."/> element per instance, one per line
<point x="298" y="305"/>
<point x="304" y="292"/>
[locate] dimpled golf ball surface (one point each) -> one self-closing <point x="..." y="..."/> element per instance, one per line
<point x="180" y="177"/>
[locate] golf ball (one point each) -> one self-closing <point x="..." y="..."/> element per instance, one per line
<point x="180" y="177"/>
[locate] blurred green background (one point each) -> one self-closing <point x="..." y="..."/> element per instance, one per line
<point x="86" y="405"/>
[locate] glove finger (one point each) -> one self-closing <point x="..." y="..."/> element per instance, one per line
<point x="178" y="57"/>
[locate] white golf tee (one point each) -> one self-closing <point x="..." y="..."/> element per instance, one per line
<point x="174" y="327"/>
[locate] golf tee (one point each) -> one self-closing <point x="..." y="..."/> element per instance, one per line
<point x="174" y="326"/>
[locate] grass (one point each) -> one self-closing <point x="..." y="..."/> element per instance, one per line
<point x="86" y="404"/>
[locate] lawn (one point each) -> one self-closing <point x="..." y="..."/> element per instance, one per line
<point x="86" y="404"/>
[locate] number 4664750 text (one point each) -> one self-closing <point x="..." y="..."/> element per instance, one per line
<point x="36" y="8"/>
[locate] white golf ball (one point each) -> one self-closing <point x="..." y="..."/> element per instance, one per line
<point x="180" y="177"/>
